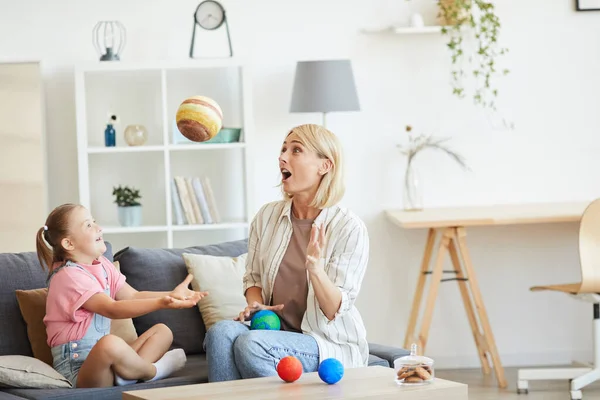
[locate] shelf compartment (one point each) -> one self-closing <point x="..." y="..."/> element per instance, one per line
<point x="143" y="171"/>
<point x="209" y="82"/>
<point x="225" y="171"/>
<point x="134" y="96"/>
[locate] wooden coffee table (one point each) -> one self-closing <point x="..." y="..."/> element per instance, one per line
<point x="367" y="382"/>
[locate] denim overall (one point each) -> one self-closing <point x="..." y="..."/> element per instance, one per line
<point x="68" y="357"/>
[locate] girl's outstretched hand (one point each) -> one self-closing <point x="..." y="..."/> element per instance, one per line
<point x="172" y="302"/>
<point x="182" y="292"/>
<point x="253" y="308"/>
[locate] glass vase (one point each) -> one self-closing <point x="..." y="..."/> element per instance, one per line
<point x="136" y="135"/>
<point x="412" y="189"/>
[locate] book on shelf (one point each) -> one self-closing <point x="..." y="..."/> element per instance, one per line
<point x="193" y="201"/>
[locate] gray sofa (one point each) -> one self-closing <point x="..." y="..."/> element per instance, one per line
<point x="145" y="269"/>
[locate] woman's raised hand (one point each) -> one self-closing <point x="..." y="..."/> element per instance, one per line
<point x="315" y="250"/>
<point x="253" y="308"/>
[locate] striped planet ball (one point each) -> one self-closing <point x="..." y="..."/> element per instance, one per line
<point x="199" y="118"/>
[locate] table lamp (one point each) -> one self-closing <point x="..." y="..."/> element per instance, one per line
<point x="324" y="86"/>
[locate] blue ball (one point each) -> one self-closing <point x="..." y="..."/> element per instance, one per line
<point x="265" y="319"/>
<point x="331" y="371"/>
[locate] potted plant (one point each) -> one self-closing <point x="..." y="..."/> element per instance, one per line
<point x="129" y="208"/>
<point x="480" y="16"/>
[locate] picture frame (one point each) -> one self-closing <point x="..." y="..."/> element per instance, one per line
<point x="587" y="5"/>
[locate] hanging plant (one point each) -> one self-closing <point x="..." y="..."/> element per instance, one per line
<point x="454" y="16"/>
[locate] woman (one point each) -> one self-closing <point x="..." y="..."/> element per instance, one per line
<point x="307" y="257"/>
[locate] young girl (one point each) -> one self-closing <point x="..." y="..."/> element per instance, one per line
<point x="86" y="291"/>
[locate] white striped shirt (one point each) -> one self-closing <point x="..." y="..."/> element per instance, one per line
<point x="346" y="258"/>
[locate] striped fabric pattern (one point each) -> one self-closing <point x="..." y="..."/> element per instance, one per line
<point x="346" y="259"/>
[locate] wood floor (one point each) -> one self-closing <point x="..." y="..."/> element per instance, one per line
<point x="483" y="387"/>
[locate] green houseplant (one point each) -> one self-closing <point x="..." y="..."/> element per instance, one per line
<point x="482" y="59"/>
<point x="129" y="207"/>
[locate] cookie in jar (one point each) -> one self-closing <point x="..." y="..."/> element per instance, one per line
<point x="414" y="369"/>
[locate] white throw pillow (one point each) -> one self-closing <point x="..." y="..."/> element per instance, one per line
<point x="223" y="278"/>
<point x="29" y="373"/>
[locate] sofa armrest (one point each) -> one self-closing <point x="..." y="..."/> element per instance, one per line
<point x="388" y="353"/>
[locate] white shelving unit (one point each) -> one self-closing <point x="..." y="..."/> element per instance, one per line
<point x="149" y="94"/>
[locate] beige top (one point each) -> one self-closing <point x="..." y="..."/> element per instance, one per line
<point x="346" y="258"/>
<point x="291" y="283"/>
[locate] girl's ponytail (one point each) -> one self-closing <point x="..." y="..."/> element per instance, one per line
<point x="44" y="253"/>
<point x="48" y="238"/>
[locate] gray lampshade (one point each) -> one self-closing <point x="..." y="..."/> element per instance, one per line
<point x="324" y="86"/>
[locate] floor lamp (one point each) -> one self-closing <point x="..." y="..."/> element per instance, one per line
<point x="324" y="86"/>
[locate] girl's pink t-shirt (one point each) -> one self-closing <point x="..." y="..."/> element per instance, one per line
<point x="69" y="288"/>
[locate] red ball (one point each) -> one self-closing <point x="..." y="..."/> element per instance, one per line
<point x="289" y="368"/>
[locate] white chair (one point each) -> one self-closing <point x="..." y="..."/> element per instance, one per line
<point x="587" y="290"/>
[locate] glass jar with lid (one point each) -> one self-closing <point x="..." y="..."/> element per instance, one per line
<point x="414" y="369"/>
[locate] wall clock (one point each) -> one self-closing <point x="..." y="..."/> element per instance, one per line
<point x="210" y="15"/>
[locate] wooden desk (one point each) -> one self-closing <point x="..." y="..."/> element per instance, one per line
<point x="451" y="223"/>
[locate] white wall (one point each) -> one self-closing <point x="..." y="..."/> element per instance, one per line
<point x="550" y="156"/>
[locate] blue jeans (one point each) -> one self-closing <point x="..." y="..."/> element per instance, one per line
<point x="235" y="352"/>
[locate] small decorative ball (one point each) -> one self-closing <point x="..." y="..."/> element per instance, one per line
<point x="289" y="368"/>
<point x="331" y="371"/>
<point x="199" y="118"/>
<point x="265" y="319"/>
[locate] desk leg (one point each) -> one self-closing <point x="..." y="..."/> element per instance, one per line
<point x="461" y="278"/>
<point x="409" y="338"/>
<point x="488" y="338"/>
<point x="436" y="278"/>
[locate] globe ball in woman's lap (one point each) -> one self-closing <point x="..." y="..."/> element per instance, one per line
<point x="307" y="257"/>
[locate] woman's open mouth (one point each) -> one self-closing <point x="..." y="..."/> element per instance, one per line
<point x="285" y="174"/>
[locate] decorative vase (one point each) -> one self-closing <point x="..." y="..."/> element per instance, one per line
<point x="109" y="136"/>
<point x="130" y="216"/>
<point x="136" y="135"/>
<point x="412" y="189"/>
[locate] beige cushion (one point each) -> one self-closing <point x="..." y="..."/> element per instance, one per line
<point x="222" y="278"/>
<point x="32" y="304"/>
<point x="29" y="372"/>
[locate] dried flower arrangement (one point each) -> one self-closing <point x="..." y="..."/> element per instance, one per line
<point x="415" y="145"/>
<point x="421" y="142"/>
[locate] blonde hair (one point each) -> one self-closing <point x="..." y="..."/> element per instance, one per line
<point x="327" y="146"/>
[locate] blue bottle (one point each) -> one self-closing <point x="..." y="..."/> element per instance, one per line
<point x="109" y="136"/>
